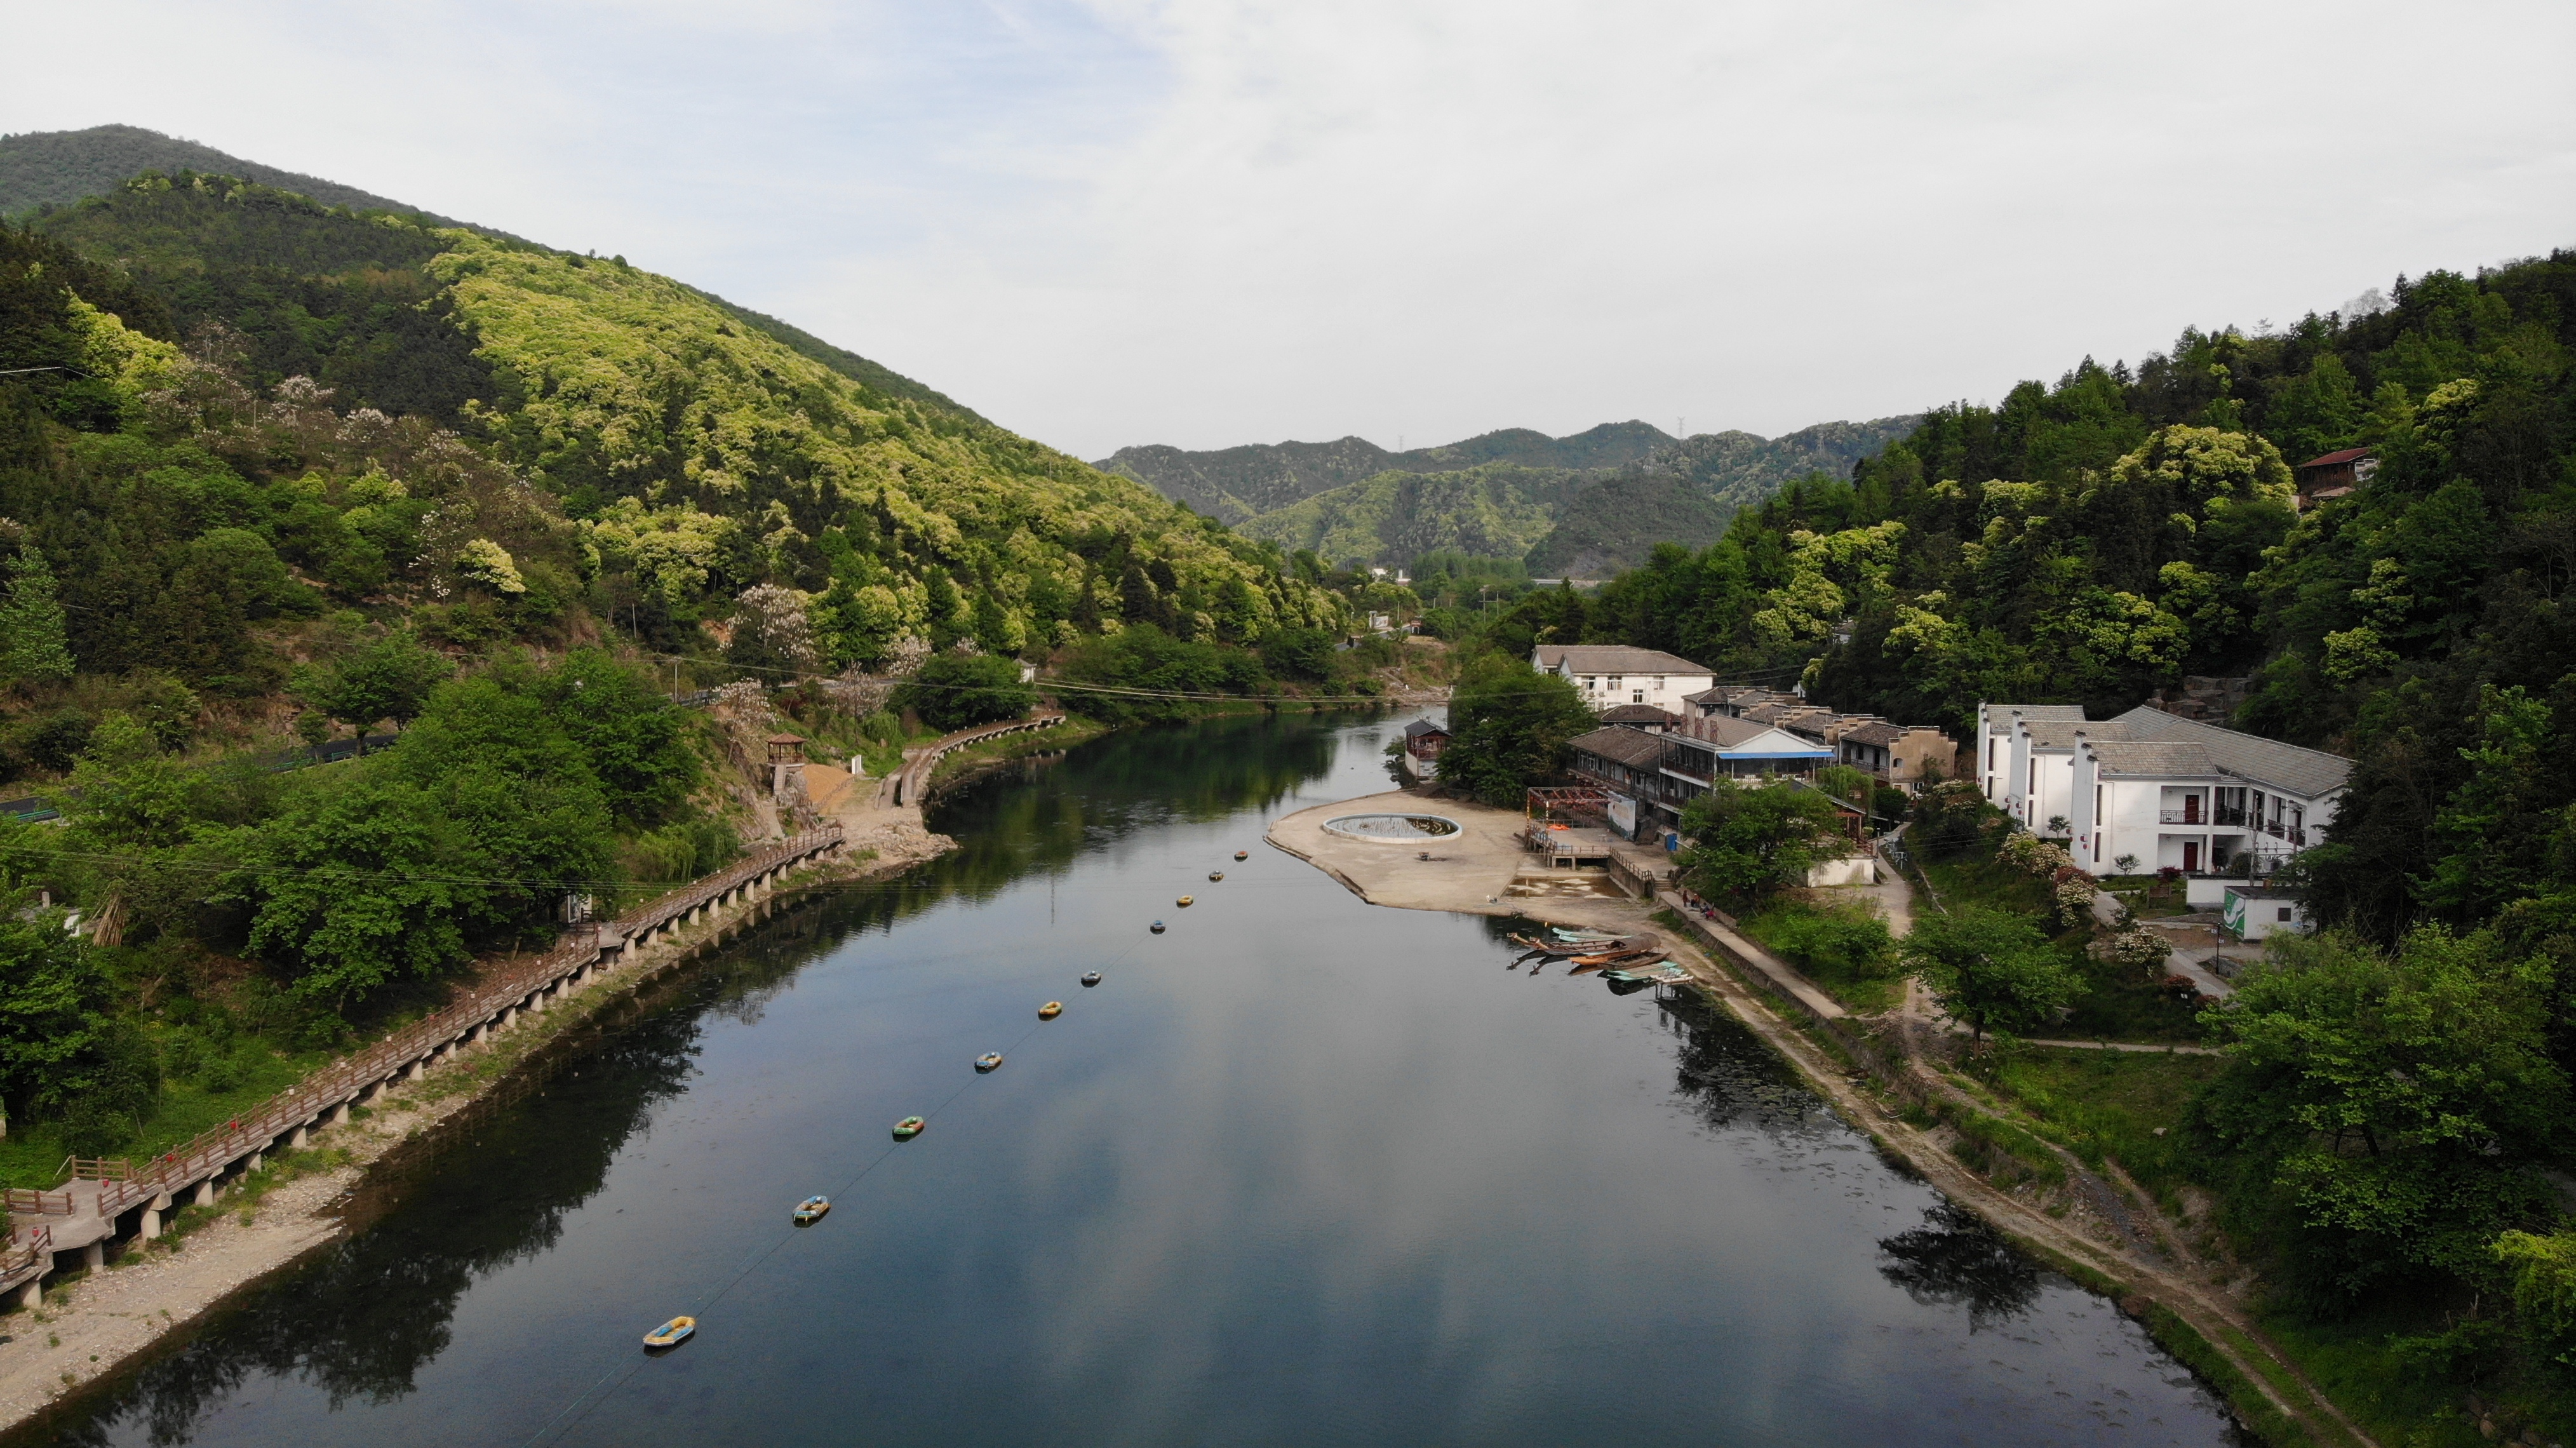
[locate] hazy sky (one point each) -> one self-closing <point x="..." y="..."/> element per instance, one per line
<point x="1124" y="221"/>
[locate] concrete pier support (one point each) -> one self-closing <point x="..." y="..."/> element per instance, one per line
<point x="415" y="1070"/>
<point x="295" y="1139"/>
<point x="205" y="1193"/>
<point x="339" y="1115"/>
<point x="94" y="1256"/>
<point x="509" y="1018"/>
<point x="150" y="1229"/>
<point x="32" y="1295"/>
<point x="256" y="1161"/>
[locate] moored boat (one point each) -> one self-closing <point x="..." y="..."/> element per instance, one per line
<point x="672" y="1333"/>
<point x="1050" y="1010"/>
<point x="1243" y="854"/>
<point x="1156" y="927"/>
<point x="1214" y="875"/>
<point x="811" y="1210"/>
<point x="1183" y="902"/>
<point x="908" y="1128"/>
<point x="988" y="1061"/>
<point x="1091" y="977"/>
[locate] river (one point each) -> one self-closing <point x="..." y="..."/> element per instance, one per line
<point x="1300" y="1171"/>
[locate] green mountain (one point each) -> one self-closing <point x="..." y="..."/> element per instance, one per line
<point x="1236" y="483"/>
<point x="57" y="168"/>
<point x="1602" y="509"/>
<point x="500" y="438"/>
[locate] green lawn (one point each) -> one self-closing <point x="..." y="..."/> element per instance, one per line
<point x="1835" y="947"/>
<point x="2111" y="1103"/>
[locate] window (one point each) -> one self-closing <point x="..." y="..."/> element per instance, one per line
<point x="1659" y="683"/>
<point x="2284" y="916"/>
<point x="1590" y="682"/>
<point x="1616" y="681"/>
<point x="1637" y="696"/>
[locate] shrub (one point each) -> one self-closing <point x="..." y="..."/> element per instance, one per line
<point x="960" y="692"/>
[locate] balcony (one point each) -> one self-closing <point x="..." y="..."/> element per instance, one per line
<point x="2181" y="817"/>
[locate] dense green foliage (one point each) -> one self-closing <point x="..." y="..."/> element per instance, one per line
<point x="1237" y="483"/>
<point x="1508" y="728"/>
<point x="952" y="692"/>
<point x="1747" y="843"/>
<point x="1991" y="969"/>
<point x="56" y="168"/>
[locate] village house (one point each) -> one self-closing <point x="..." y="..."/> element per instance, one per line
<point x="1612" y="674"/>
<point x="2151" y="791"/>
<point x="1653" y="775"/>
<point x="1904" y="755"/>
<point x="2335" y="475"/>
<point x="1423" y="741"/>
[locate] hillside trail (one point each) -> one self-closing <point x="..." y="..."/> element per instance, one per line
<point x="2132" y="1237"/>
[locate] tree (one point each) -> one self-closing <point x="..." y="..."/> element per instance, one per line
<point x="632" y="737"/>
<point x="2392" y="1102"/>
<point x="59" y="1047"/>
<point x="954" y="692"/>
<point x="1748" y="842"/>
<point x="353" y="887"/>
<point x="35" y="644"/>
<point x="388" y="679"/>
<point x="1992" y="970"/>
<point x="1508" y="727"/>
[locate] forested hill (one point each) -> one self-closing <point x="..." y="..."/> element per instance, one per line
<point x="57" y="168"/>
<point x="1582" y="516"/>
<point x="650" y="453"/>
<point x="2095" y="540"/>
<point x="1232" y="484"/>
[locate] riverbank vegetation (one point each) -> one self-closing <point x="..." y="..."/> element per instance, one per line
<point x="279" y="479"/>
<point x="2096" y="540"/>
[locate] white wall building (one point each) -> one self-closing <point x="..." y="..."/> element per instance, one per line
<point x="2173" y="793"/>
<point x="1613" y="674"/>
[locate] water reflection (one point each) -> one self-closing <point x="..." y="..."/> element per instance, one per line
<point x="1955" y="1260"/>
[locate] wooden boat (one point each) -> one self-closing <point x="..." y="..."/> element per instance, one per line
<point x="1183" y="902"/>
<point x="672" y="1333"/>
<point x="1156" y="927"/>
<point x="1050" y="1010"/>
<point x="908" y="1128"/>
<point x="1243" y="854"/>
<point x="811" y="1210"/>
<point x="1215" y="875"/>
<point x="989" y="1061"/>
<point x="1090" y="978"/>
<point x="1617" y="957"/>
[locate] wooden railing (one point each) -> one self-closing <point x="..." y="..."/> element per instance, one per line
<point x="27" y="1247"/>
<point x="298" y="1105"/>
<point x="20" y="1199"/>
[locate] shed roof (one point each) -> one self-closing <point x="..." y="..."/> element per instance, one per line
<point x="1633" y="747"/>
<point x="2340" y="455"/>
<point x="2308" y="772"/>
<point x="1614" y="659"/>
<point x="1420" y="727"/>
<point x="1637" y="714"/>
<point x="1999" y="717"/>
<point x="1879" y="731"/>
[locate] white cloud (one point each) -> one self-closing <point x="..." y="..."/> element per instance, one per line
<point x="1208" y="223"/>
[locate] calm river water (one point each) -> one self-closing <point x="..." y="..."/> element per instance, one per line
<point x="1300" y="1171"/>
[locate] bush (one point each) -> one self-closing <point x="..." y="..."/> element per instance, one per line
<point x="955" y="691"/>
<point x="1144" y="657"/>
<point x="1303" y="654"/>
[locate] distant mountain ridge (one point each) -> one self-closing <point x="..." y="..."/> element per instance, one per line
<point x="1236" y="483"/>
<point x="40" y="168"/>
<point x="1580" y="506"/>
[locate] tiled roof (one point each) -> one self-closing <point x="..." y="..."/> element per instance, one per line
<point x="1879" y="731"/>
<point x="1999" y="717"/>
<point x="1633" y="747"/>
<point x="2343" y="455"/>
<point x="2153" y="760"/>
<point x="2307" y="772"/>
<point x="1420" y="727"/>
<point x="1636" y="714"/>
<point x="1774" y="713"/>
<point x="1614" y="659"/>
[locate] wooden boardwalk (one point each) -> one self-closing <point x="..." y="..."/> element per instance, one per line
<point x="99" y="1200"/>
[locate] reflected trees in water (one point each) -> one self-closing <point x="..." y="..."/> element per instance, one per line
<point x="1955" y="1260"/>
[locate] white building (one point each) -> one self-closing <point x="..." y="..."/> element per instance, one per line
<point x="2165" y="791"/>
<point x="1613" y="674"/>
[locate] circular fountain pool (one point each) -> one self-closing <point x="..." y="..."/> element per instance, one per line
<point x="1395" y="828"/>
